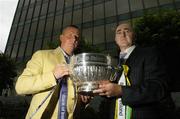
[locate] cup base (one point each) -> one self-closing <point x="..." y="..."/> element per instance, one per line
<point x="86" y="93"/>
<point x="86" y="88"/>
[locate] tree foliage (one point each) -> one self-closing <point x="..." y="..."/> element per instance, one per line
<point x="162" y="29"/>
<point x="7" y="72"/>
<point x="158" y="28"/>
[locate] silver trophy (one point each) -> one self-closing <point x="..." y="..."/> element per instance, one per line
<point x="90" y="68"/>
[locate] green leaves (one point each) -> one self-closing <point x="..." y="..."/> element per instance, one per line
<point x="157" y="28"/>
<point x="7" y="72"/>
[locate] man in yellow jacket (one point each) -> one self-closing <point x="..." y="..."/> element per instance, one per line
<point x="42" y="74"/>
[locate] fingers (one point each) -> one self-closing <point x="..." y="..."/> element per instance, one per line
<point x="85" y="99"/>
<point x="109" y="90"/>
<point x="104" y="89"/>
<point x="101" y="92"/>
<point x="61" y="70"/>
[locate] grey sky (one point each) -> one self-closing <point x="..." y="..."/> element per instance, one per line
<point x="7" y="10"/>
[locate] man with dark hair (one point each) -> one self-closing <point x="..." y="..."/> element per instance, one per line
<point x="141" y="92"/>
<point x="46" y="77"/>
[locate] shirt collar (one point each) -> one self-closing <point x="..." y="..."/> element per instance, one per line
<point x="64" y="53"/>
<point x="128" y="51"/>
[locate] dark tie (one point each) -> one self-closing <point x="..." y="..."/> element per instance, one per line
<point x="122" y="59"/>
<point x="120" y="68"/>
<point x="62" y="114"/>
<point x="67" y="59"/>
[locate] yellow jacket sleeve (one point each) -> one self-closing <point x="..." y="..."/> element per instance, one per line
<point x="36" y="77"/>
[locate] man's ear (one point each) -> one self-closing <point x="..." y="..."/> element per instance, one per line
<point x="60" y="38"/>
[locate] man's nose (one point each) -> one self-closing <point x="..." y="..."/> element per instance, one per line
<point x="124" y="33"/>
<point x="75" y="38"/>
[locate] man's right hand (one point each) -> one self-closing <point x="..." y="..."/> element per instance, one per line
<point x="61" y="70"/>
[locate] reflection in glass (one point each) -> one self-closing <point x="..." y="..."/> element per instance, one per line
<point x="77" y="16"/>
<point x="150" y="3"/>
<point x="57" y="24"/>
<point x="98" y="11"/>
<point x="136" y="5"/>
<point x="67" y="19"/>
<point x="87" y="35"/>
<point x="110" y="8"/>
<point x="14" y="51"/>
<point x="110" y="32"/>
<point x="87" y="14"/>
<point x="98" y="35"/>
<point x="124" y="6"/>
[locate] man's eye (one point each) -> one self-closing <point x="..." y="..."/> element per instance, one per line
<point x="119" y="33"/>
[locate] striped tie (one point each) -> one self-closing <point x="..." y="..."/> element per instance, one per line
<point x="122" y="59"/>
<point x="62" y="114"/>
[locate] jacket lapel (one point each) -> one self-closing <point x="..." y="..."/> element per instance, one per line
<point x="59" y="57"/>
<point x="132" y="56"/>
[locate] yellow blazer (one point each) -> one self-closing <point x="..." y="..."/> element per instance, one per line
<point x="38" y="79"/>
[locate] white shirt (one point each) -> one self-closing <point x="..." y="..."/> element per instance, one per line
<point x="128" y="51"/>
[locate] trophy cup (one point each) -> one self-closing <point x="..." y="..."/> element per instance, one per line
<point x="90" y="68"/>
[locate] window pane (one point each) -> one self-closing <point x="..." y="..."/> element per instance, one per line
<point x="18" y="35"/>
<point x="150" y="3"/>
<point x="55" y="39"/>
<point x="57" y="24"/>
<point x="67" y="19"/>
<point x="37" y="45"/>
<point x="33" y="28"/>
<point x="110" y="32"/>
<point x="87" y="35"/>
<point x="21" y="3"/>
<point x="29" y="15"/>
<point x="32" y="1"/>
<point x="12" y="35"/>
<point x="41" y="28"/>
<point x="36" y="11"/>
<point x="25" y="32"/>
<point x="77" y="17"/>
<point x="26" y="2"/>
<point x="99" y="11"/>
<point x="136" y="5"/>
<point x="8" y="50"/>
<point x="68" y="3"/>
<point x="77" y="2"/>
<point x="49" y="25"/>
<point x="21" y="50"/>
<point x="60" y="4"/>
<point x="46" y="42"/>
<point x="87" y="14"/>
<point x="23" y="15"/>
<point x="29" y="48"/>
<point x="17" y="17"/>
<point x="98" y="35"/>
<point x="14" y="51"/>
<point x="110" y="8"/>
<point x="44" y="8"/>
<point x="52" y="6"/>
<point x="165" y="1"/>
<point x="122" y="6"/>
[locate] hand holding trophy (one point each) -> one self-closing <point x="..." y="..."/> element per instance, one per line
<point x="90" y="68"/>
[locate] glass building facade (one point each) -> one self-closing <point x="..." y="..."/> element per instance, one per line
<point x="38" y="22"/>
